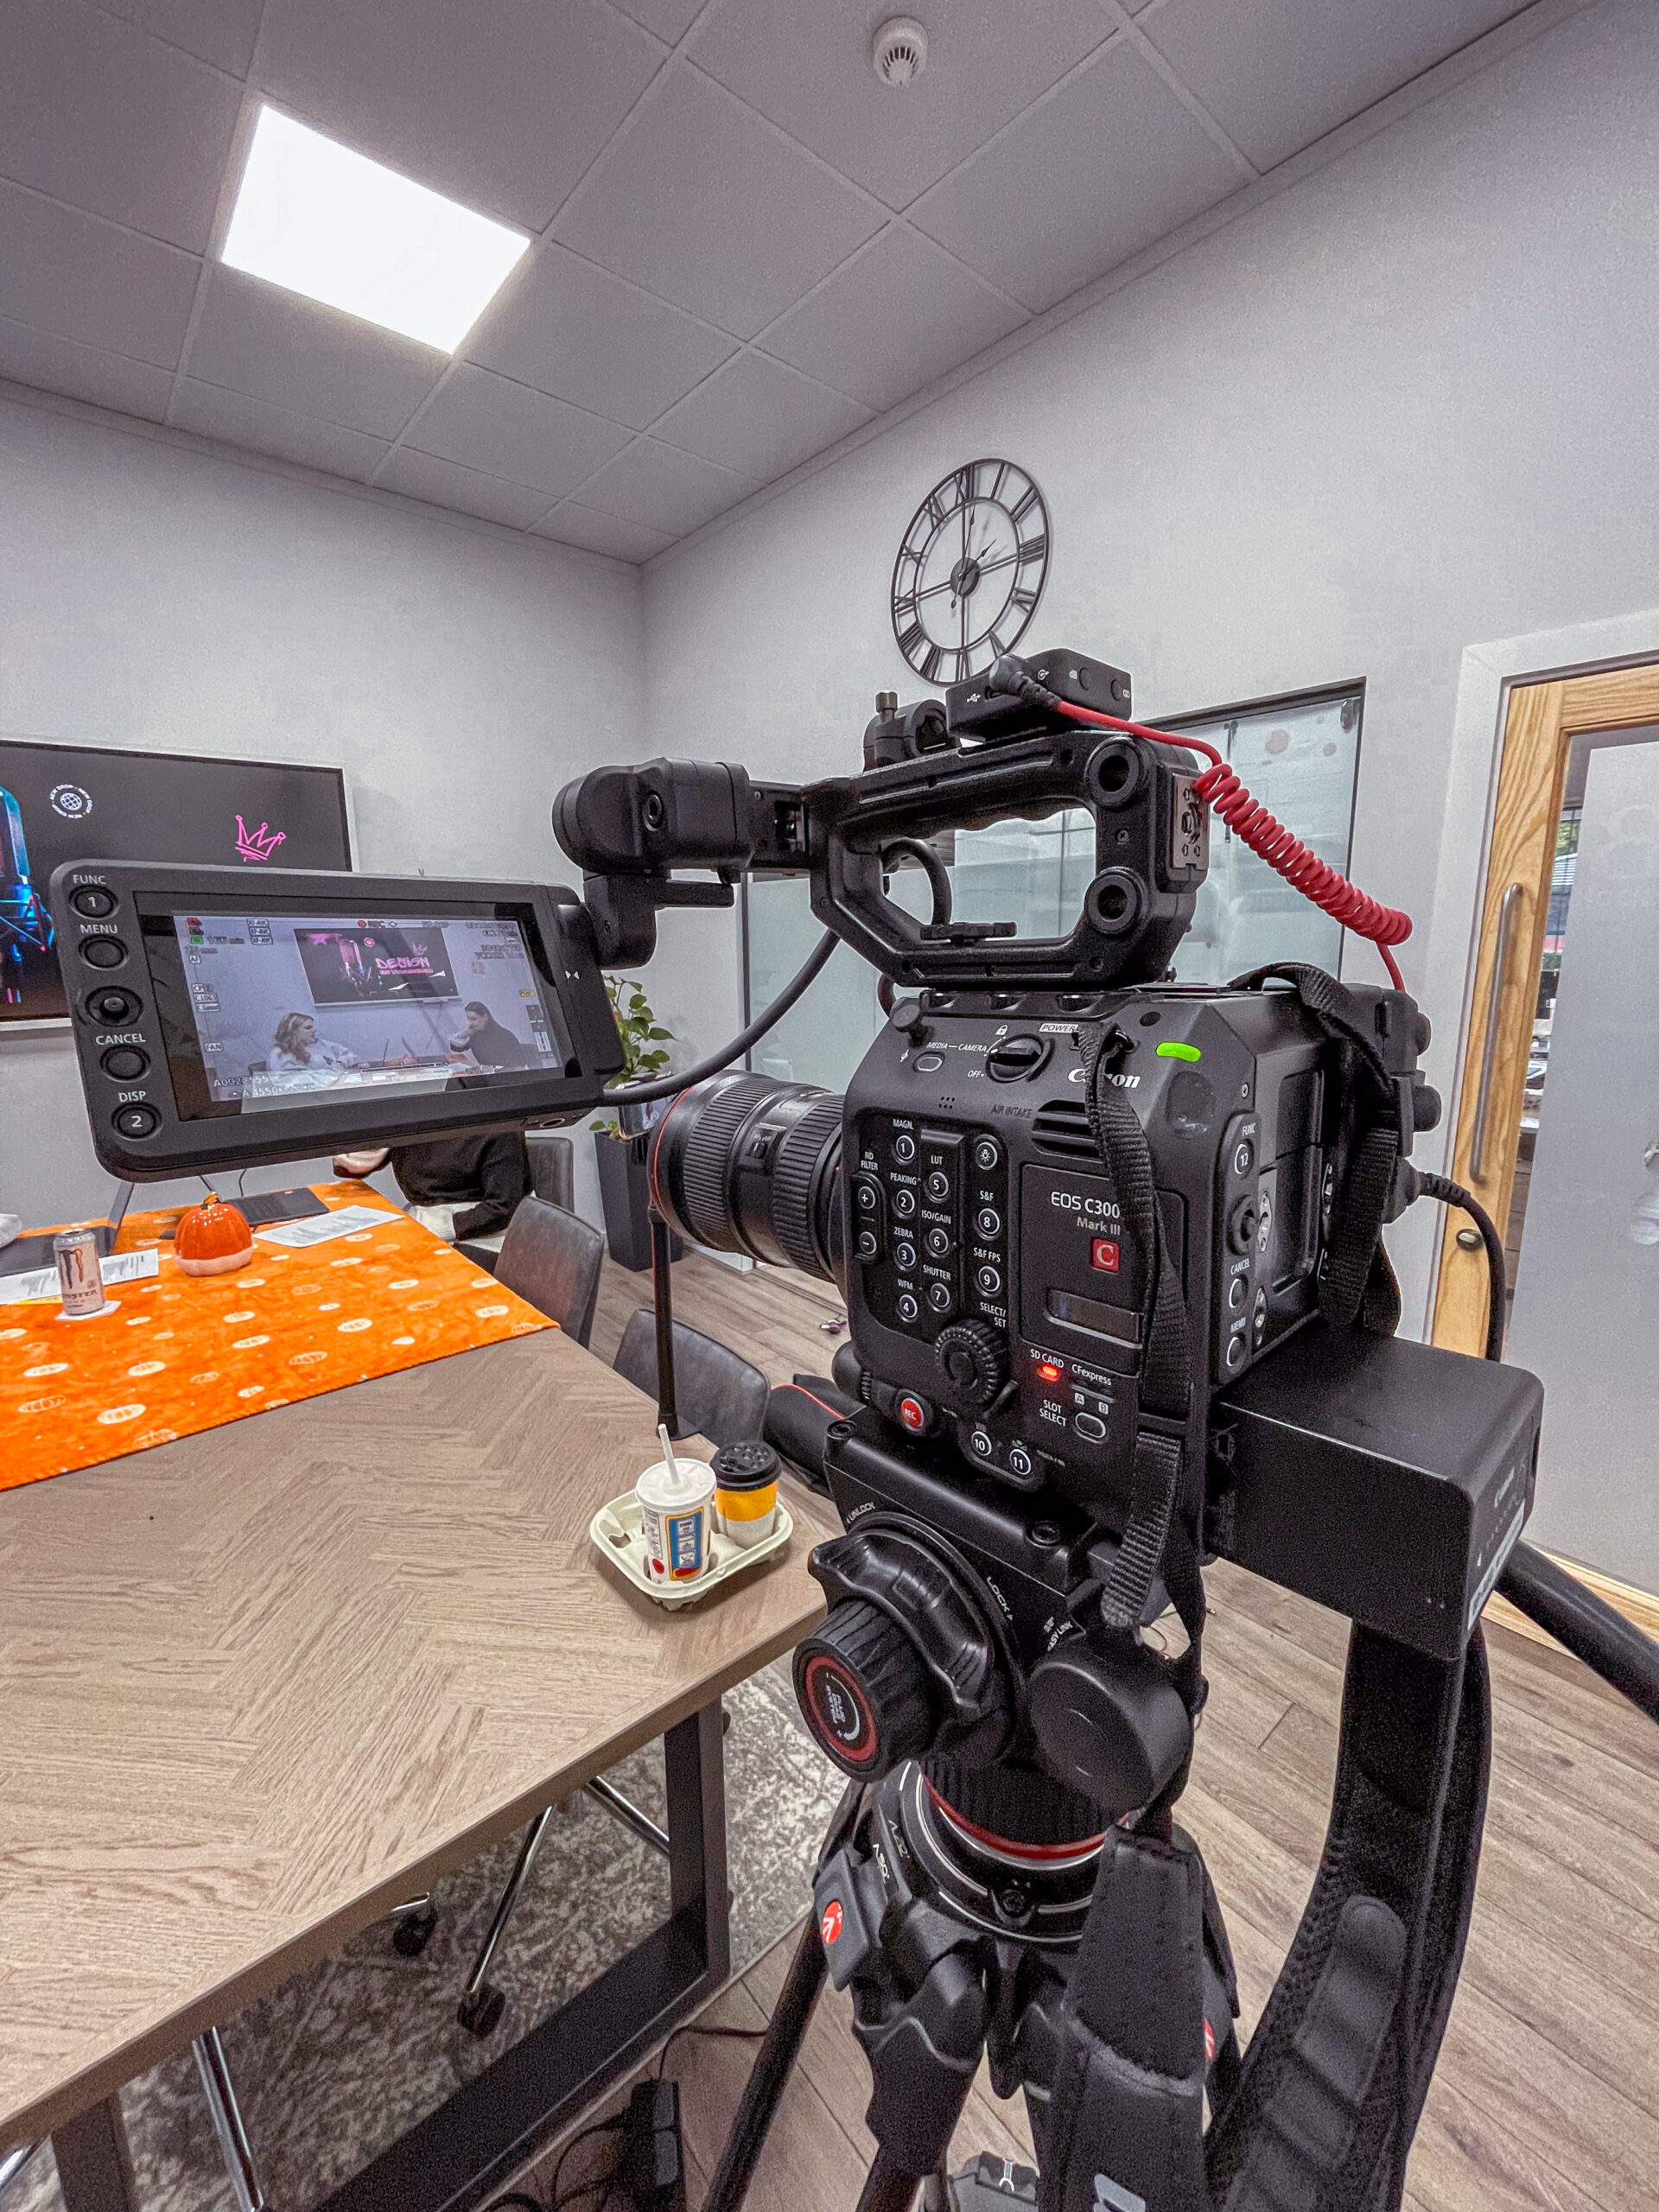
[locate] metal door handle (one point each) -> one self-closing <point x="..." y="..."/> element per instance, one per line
<point x="1506" y="914"/>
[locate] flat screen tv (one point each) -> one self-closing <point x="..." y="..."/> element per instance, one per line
<point x="86" y="802"/>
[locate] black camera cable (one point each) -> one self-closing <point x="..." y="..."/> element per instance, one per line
<point x="1421" y="1184"/>
<point x="670" y="1086"/>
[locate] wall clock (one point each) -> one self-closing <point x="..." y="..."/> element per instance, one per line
<point x="970" y="570"/>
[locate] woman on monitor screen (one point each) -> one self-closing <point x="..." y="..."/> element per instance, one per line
<point x="296" y="1046"/>
<point x="491" y="1043"/>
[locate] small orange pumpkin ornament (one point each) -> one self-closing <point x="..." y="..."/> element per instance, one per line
<point x="212" y="1238"/>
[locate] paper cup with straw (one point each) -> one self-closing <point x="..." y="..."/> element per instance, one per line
<point x="677" y="1506"/>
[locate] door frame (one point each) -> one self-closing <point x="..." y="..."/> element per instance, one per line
<point x="1543" y="721"/>
<point x="1488" y="674"/>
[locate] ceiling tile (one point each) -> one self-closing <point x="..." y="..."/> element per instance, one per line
<point x="1105" y="167"/>
<point x="901" y="315"/>
<point x="664" y="488"/>
<point x="759" y="418"/>
<point x="507" y="429"/>
<point x="1276" y="74"/>
<point x="88" y="280"/>
<point x="95" y="114"/>
<point x="312" y="360"/>
<point x="575" y="330"/>
<point x="669" y="19"/>
<point x="59" y="365"/>
<point x="212" y="412"/>
<point x="596" y="533"/>
<point x="505" y="114"/>
<point x="424" y="477"/>
<point x="703" y="203"/>
<point x="221" y="31"/>
<point x="985" y="63"/>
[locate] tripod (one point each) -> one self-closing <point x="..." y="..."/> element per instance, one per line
<point x="957" y="1943"/>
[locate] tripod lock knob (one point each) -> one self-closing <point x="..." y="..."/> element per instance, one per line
<point x="865" y="1689"/>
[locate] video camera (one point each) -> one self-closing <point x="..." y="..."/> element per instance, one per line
<point x="1118" y="1303"/>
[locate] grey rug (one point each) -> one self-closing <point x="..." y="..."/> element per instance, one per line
<point x="345" y="2056"/>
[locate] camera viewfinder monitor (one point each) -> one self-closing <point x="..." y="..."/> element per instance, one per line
<point x="226" y="1020"/>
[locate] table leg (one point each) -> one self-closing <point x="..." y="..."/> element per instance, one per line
<point x="94" y="2165"/>
<point x="699" y="1894"/>
<point x="460" y="2156"/>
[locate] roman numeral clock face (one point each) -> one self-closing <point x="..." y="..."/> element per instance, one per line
<point x="970" y="571"/>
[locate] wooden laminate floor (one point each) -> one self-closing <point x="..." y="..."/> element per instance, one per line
<point x="1546" y="2098"/>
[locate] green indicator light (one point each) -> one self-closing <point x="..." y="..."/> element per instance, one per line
<point x="1173" y="1049"/>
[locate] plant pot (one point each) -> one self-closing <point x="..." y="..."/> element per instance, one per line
<point x="624" y="1189"/>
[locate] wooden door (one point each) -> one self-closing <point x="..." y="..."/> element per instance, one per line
<point x="1542" y="721"/>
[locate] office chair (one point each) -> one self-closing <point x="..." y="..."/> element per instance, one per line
<point x="552" y="1167"/>
<point x="552" y="1259"/>
<point x="717" y="1393"/>
<point x="720" y="1396"/>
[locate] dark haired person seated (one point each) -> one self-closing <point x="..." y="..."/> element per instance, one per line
<point x="491" y="1043"/>
<point x="458" y="1187"/>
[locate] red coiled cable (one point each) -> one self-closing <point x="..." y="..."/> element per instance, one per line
<point x="1268" y="838"/>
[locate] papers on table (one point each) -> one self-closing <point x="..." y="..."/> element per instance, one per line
<point x="42" y="1282"/>
<point x="321" y="1228"/>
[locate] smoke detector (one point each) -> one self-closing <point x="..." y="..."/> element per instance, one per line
<point x="899" y="52"/>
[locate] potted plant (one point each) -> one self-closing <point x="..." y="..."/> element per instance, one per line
<point x="622" y="1184"/>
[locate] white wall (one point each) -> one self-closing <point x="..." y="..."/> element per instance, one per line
<point x="155" y="596"/>
<point x="1407" y="404"/>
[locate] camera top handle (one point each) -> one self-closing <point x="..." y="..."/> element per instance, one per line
<point x="983" y="757"/>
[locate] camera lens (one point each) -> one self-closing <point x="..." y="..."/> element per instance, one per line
<point x="743" y="1165"/>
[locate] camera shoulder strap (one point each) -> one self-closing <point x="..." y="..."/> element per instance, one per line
<point x="1321" y="2113"/>
<point x="1155" y="1539"/>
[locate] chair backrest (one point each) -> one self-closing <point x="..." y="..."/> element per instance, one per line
<point x="552" y="1167"/>
<point x="551" y="1258"/>
<point x="716" y="1392"/>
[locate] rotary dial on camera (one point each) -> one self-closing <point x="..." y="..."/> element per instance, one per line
<point x="970" y="570"/>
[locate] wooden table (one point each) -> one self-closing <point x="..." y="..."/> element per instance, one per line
<point x="261" y="1683"/>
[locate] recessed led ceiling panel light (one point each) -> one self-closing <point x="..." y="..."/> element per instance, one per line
<point x="317" y="219"/>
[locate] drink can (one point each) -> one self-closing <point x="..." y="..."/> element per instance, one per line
<point x="80" y="1278"/>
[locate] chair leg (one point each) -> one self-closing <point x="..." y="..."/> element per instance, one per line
<point x="623" y="1809"/>
<point x="233" y="2145"/>
<point x="482" y="2004"/>
<point x="413" y="1923"/>
<point x="12" y="2162"/>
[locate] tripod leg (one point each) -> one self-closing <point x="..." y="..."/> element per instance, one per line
<point x="784" y="2033"/>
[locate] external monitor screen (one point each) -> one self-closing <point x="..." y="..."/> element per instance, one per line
<point x="81" y="801"/>
<point x="261" y="1010"/>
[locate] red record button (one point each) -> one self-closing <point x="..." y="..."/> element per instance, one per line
<point x="913" y="1413"/>
<point x="1104" y="1254"/>
<point x="830" y="1926"/>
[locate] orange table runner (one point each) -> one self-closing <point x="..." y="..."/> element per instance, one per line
<point x="182" y="1353"/>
